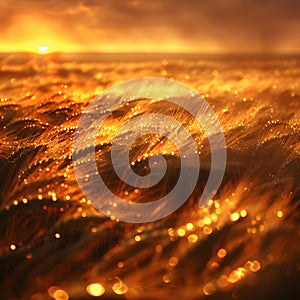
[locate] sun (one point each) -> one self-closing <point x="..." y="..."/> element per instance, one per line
<point x="43" y="49"/>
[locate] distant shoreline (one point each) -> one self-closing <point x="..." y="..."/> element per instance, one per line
<point x="98" y="56"/>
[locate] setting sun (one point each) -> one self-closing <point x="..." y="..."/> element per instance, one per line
<point x="43" y="49"/>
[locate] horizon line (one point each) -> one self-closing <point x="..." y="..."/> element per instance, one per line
<point x="246" y="53"/>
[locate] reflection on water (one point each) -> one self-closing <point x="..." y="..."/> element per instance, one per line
<point x="243" y="245"/>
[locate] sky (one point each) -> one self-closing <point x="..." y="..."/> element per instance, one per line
<point x="197" y="26"/>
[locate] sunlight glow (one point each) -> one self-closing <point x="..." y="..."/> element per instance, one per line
<point x="43" y="49"/>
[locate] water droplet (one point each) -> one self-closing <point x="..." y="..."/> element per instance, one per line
<point x="234" y="216"/>
<point x="173" y="261"/>
<point x="181" y="232"/>
<point x="222" y="253"/>
<point x="209" y="289"/>
<point x="95" y="289"/>
<point x="243" y="213"/>
<point x="60" y="295"/>
<point x="118" y="286"/>
<point x="192" y="238"/>
<point x="279" y="214"/>
<point x="222" y="281"/>
<point x="189" y="226"/>
<point x="207" y="230"/>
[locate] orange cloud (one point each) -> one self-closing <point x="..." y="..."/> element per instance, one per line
<point x="150" y="26"/>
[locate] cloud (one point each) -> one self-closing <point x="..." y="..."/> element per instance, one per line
<point x="156" y="25"/>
